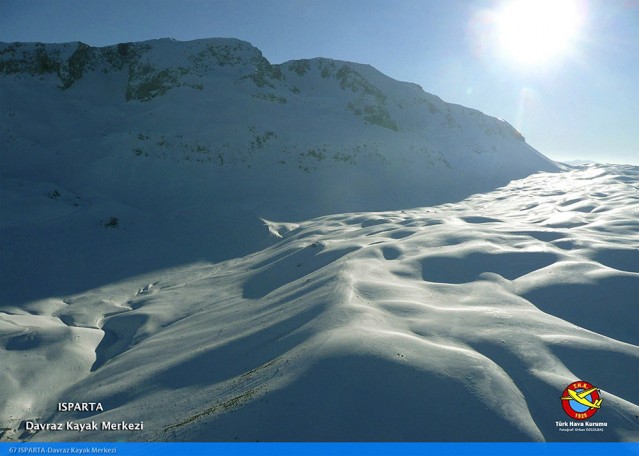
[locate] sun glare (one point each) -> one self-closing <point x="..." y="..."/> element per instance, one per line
<point x="533" y="32"/>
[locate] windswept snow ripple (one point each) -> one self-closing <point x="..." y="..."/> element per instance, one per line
<point x="462" y="321"/>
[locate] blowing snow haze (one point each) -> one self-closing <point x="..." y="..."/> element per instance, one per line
<point x="158" y="254"/>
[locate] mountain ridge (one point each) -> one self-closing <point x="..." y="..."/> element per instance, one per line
<point x="213" y="139"/>
<point x="328" y="99"/>
<point x="71" y="64"/>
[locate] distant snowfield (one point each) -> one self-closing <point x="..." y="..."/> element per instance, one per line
<point x="462" y="321"/>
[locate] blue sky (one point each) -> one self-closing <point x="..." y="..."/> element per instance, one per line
<point x="580" y="104"/>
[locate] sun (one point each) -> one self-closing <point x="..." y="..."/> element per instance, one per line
<point x="530" y="32"/>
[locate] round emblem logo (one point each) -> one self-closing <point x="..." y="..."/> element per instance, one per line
<point x="581" y="400"/>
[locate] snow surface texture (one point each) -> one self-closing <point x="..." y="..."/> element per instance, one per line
<point x="463" y="321"/>
<point x="147" y="281"/>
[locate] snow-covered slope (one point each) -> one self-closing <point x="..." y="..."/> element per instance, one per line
<point x="463" y="321"/>
<point x="189" y="144"/>
<point x="261" y="128"/>
<point x="192" y="236"/>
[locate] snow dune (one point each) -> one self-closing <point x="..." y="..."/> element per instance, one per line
<point x="462" y="321"/>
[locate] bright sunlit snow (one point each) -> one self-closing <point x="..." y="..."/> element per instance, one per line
<point x="361" y="326"/>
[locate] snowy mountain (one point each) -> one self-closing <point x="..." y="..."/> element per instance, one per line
<point x="228" y="249"/>
<point x="221" y="104"/>
<point x="189" y="144"/>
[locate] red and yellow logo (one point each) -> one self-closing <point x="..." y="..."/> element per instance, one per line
<point x="581" y="400"/>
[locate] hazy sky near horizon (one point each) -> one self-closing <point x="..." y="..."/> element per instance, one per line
<point x="567" y="79"/>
